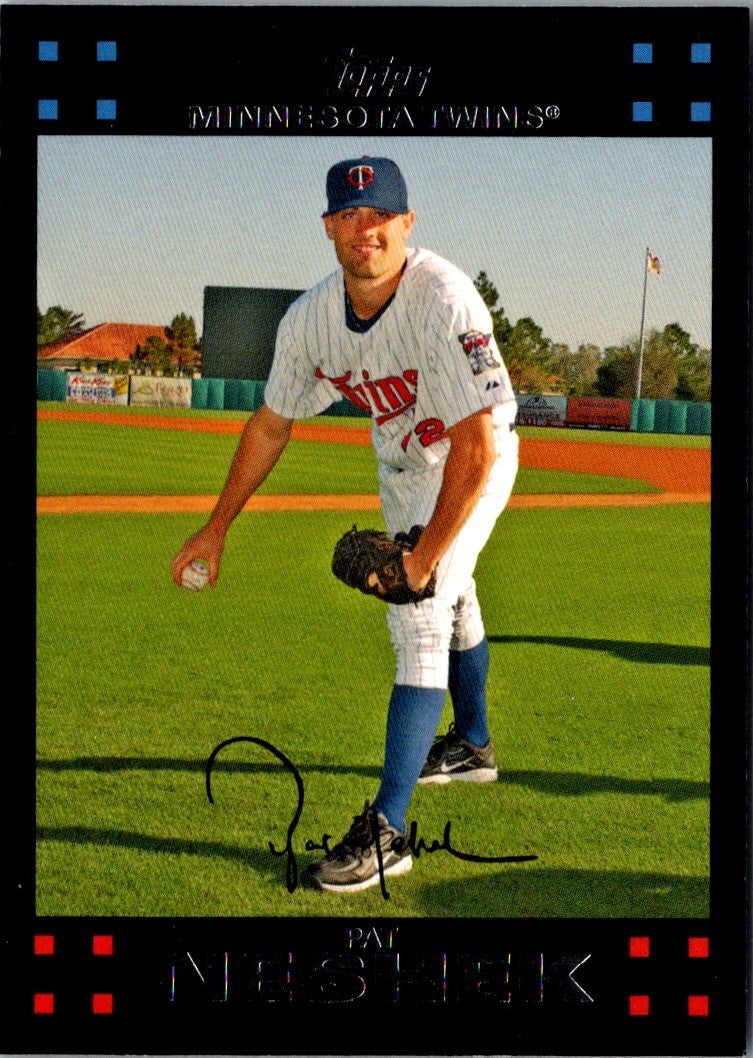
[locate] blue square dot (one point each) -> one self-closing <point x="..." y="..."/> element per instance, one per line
<point x="48" y="51"/>
<point x="107" y="51"/>
<point x="643" y="111"/>
<point x="700" y="53"/>
<point x="47" y="109"/>
<point x="106" y="109"/>
<point x="700" y="111"/>
<point x="643" y="53"/>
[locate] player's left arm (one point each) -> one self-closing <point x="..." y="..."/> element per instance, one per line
<point x="467" y="468"/>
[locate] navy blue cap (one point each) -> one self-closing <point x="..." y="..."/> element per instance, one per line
<point x="373" y="182"/>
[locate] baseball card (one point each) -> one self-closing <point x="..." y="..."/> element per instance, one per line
<point x="383" y="540"/>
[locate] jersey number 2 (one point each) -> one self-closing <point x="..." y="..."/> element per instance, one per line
<point x="428" y="431"/>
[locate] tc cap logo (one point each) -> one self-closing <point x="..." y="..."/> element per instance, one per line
<point x="361" y="176"/>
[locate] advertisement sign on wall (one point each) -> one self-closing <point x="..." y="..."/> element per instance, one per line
<point x="85" y="387"/>
<point x="161" y="392"/>
<point x="535" y="409"/>
<point x="599" y="413"/>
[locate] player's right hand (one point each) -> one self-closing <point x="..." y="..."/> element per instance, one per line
<point x="208" y="544"/>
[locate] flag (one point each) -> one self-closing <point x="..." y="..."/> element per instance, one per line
<point x="652" y="263"/>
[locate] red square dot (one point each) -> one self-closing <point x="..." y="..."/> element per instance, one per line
<point x="640" y="947"/>
<point x="698" y="947"/>
<point x="102" y="944"/>
<point x="639" y="1006"/>
<point x="44" y="1003"/>
<point x="44" y="944"/>
<point x="698" y="1006"/>
<point x="102" y="1003"/>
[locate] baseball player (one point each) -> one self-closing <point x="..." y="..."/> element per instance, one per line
<point x="403" y="333"/>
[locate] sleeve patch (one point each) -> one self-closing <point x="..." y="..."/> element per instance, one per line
<point x="482" y="356"/>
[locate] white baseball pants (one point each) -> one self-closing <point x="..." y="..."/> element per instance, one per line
<point x="423" y="633"/>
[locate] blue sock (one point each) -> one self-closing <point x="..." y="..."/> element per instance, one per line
<point x="412" y="720"/>
<point x="468" y="672"/>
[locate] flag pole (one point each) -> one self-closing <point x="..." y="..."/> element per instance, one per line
<point x="639" y="379"/>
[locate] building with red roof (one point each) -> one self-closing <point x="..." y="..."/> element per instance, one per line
<point x="101" y="345"/>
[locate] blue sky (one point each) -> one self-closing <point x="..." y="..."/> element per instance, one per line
<point x="131" y="229"/>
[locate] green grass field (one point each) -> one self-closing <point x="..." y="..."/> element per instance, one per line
<point x="599" y="706"/>
<point x="95" y="460"/>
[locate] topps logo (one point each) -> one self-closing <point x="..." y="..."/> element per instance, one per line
<point x="360" y="75"/>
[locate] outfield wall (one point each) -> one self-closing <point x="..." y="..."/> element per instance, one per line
<point x="235" y="394"/>
<point x="239" y="331"/>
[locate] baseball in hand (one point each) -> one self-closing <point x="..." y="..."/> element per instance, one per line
<point x="195" y="576"/>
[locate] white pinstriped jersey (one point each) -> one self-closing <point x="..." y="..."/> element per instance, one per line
<point x="427" y="363"/>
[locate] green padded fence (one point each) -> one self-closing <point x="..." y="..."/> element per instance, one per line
<point x="216" y="394"/>
<point x="671" y="416"/>
<point x="259" y="395"/>
<point x="247" y="394"/>
<point x="699" y="418"/>
<point x="346" y="407"/>
<point x="643" y="414"/>
<point x="210" y="393"/>
<point x="51" y="385"/>
<point x="678" y="416"/>
<point x="647" y="416"/>
<point x="227" y="394"/>
<point x="59" y="385"/>
<point x="199" y="392"/>
<point x="662" y="416"/>
<point x="231" y="394"/>
<point x="44" y="385"/>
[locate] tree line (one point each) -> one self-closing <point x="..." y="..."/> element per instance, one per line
<point x="181" y="351"/>
<point x="674" y="367"/>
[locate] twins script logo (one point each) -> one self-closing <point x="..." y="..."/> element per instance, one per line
<point x="385" y="399"/>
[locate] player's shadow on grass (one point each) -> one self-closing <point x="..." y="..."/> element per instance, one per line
<point x="179" y="764"/>
<point x="627" y="650"/>
<point x="571" y="784"/>
<point x="532" y="890"/>
<point x="255" y="855"/>
<point x="578" y="784"/>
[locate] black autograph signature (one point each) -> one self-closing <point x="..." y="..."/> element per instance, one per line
<point x="416" y="844"/>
